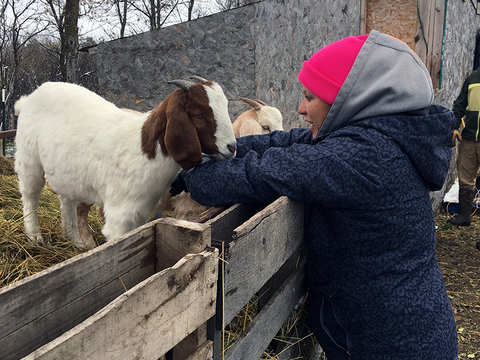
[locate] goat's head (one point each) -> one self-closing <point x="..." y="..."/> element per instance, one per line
<point x="192" y="120"/>
<point x="269" y="118"/>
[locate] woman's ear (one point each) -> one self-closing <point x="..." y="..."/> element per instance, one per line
<point x="181" y="139"/>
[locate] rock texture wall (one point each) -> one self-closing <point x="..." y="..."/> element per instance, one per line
<point x="286" y="34"/>
<point x="133" y="72"/>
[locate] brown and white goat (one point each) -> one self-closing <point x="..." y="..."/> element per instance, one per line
<point x="92" y="152"/>
<point x="261" y="119"/>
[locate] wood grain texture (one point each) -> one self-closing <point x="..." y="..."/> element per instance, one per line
<point x="146" y="321"/>
<point x="43" y="306"/>
<point x="261" y="246"/>
<point x="254" y="340"/>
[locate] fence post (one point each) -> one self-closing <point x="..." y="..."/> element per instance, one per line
<point x="3" y="119"/>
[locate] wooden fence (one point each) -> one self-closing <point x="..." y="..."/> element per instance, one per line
<point x="161" y="289"/>
<point x="8" y="134"/>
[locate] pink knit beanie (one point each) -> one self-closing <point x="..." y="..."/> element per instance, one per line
<point x="326" y="71"/>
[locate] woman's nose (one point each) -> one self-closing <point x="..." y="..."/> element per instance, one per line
<point x="302" y="109"/>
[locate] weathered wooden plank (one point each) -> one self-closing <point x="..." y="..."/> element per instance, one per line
<point x="177" y="238"/>
<point x="421" y="35"/>
<point x="204" y="352"/>
<point x="223" y="224"/>
<point x="208" y="214"/>
<point x="41" y="307"/>
<point x="257" y="336"/>
<point x="146" y="321"/>
<point x="188" y="346"/>
<point x="261" y="247"/>
<point x="437" y="42"/>
<point x="8" y="134"/>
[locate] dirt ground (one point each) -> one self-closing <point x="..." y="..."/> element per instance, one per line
<point x="459" y="260"/>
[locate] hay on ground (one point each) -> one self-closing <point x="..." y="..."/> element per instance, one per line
<point x="19" y="257"/>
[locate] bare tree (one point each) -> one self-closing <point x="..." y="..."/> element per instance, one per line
<point x="65" y="17"/>
<point x="121" y="8"/>
<point x="156" y="11"/>
<point x="19" y="25"/>
<point x="224" y="5"/>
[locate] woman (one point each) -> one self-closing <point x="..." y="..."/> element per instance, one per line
<point x="363" y="169"/>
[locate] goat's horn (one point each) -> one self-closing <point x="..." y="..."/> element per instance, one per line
<point x="184" y="84"/>
<point x="256" y="105"/>
<point x="261" y="102"/>
<point x="198" y="78"/>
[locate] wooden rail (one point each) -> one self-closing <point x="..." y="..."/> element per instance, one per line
<point x="8" y="134"/>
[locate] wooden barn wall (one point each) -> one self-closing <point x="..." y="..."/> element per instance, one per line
<point x="395" y="17"/>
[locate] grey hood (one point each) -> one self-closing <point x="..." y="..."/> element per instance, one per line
<point x="386" y="78"/>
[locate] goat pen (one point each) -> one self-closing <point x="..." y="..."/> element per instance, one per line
<point x="168" y="287"/>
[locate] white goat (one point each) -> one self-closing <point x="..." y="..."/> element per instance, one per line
<point x="261" y="119"/>
<point x="92" y="152"/>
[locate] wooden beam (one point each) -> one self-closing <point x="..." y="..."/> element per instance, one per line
<point x="275" y="234"/>
<point x="363" y="16"/>
<point x="8" y="134"/>
<point x="253" y="341"/>
<point x="146" y="321"/>
<point x="37" y="309"/>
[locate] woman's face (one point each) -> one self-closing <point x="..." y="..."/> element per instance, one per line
<point x="314" y="109"/>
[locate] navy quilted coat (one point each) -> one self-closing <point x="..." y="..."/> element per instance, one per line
<point x="376" y="290"/>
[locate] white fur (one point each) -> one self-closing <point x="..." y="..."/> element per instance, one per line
<point x="90" y="152"/>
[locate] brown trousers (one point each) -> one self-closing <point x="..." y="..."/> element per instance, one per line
<point x="468" y="163"/>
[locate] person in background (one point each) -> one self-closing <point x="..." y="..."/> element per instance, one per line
<point x="363" y="170"/>
<point x="467" y="105"/>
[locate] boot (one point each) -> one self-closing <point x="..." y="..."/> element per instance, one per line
<point x="465" y="202"/>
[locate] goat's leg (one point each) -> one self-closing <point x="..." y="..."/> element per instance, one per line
<point x="83" y="229"/>
<point x="119" y="221"/>
<point x="31" y="184"/>
<point x="70" y="224"/>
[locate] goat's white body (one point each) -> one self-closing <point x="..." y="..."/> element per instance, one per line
<point x="90" y="152"/>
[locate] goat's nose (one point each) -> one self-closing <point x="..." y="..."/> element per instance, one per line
<point x="232" y="148"/>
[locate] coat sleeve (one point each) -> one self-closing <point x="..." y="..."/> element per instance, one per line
<point x="304" y="172"/>
<point x="283" y="139"/>
<point x="460" y="104"/>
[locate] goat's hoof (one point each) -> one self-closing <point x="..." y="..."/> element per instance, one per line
<point x="36" y="239"/>
<point x="84" y="244"/>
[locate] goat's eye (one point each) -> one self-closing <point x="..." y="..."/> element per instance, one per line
<point x="199" y="116"/>
<point x="266" y="127"/>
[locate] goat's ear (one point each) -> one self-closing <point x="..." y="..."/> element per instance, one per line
<point x="181" y="139"/>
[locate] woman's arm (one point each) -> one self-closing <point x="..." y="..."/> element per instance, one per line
<point x="282" y="139"/>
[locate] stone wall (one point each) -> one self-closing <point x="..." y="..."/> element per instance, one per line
<point x="286" y="34"/>
<point x="133" y="72"/>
